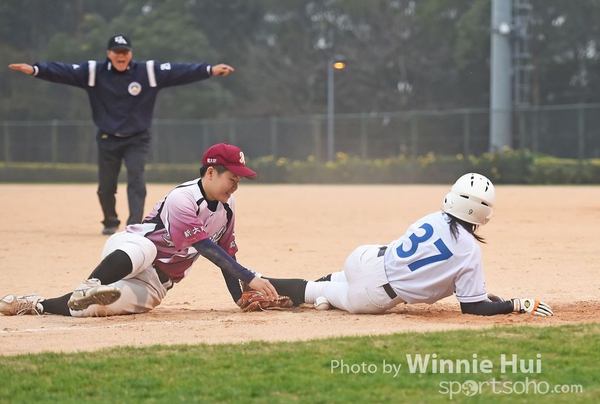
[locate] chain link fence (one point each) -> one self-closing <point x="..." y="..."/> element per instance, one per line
<point x="567" y="131"/>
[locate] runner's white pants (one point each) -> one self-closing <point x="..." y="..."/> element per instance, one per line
<point x="359" y="287"/>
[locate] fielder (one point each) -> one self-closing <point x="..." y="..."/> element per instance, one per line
<point x="437" y="257"/>
<point x="140" y="264"/>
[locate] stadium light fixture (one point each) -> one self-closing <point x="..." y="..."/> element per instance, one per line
<point x="336" y="62"/>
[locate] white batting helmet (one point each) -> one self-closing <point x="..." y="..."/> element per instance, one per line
<point x="471" y="199"/>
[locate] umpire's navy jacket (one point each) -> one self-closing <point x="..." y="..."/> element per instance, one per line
<point x="122" y="102"/>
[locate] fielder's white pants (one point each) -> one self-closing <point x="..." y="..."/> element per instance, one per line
<point x="141" y="290"/>
<point x="359" y="287"/>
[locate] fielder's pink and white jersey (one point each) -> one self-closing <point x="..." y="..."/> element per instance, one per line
<point x="181" y="219"/>
<point x="427" y="263"/>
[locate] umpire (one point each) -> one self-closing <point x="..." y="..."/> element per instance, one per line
<point x="122" y="95"/>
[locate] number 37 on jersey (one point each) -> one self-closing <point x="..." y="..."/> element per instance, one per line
<point x="425" y="250"/>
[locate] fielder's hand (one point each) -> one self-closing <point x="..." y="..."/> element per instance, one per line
<point x="532" y="306"/>
<point x="22" y="67"/>
<point x="221" y="70"/>
<point x="264" y="287"/>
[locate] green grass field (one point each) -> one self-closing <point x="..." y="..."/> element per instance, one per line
<point x="464" y="366"/>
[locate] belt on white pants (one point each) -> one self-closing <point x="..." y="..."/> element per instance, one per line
<point x="387" y="287"/>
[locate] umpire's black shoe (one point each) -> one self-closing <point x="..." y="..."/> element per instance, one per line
<point x="107" y="231"/>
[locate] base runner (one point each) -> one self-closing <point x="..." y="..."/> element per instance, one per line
<point x="437" y="257"/>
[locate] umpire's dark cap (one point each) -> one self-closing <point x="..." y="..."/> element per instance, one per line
<point x="119" y="42"/>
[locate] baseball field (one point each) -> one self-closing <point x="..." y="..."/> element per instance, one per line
<point x="541" y="243"/>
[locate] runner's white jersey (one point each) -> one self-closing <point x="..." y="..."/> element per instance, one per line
<point x="428" y="263"/>
<point x="183" y="218"/>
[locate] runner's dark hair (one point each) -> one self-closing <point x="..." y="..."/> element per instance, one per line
<point x="470" y="227"/>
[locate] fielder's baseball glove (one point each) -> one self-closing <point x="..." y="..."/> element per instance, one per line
<point x="252" y="300"/>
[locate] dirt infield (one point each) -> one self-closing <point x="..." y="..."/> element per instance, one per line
<point x="542" y="243"/>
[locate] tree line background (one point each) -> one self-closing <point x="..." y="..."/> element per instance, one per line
<point x="401" y="55"/>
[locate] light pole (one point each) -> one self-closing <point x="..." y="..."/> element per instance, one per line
<point x="500" y="76"/>
<point x="334" y="63"/>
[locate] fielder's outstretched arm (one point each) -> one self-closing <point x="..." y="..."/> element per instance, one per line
<point x="233" y="285"/>
<point x="215" y="254"/>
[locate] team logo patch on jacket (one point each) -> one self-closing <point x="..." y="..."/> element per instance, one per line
<point x="134" y="88"/>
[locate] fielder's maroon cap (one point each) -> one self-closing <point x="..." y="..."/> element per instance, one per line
<point x="229" y="156"/>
